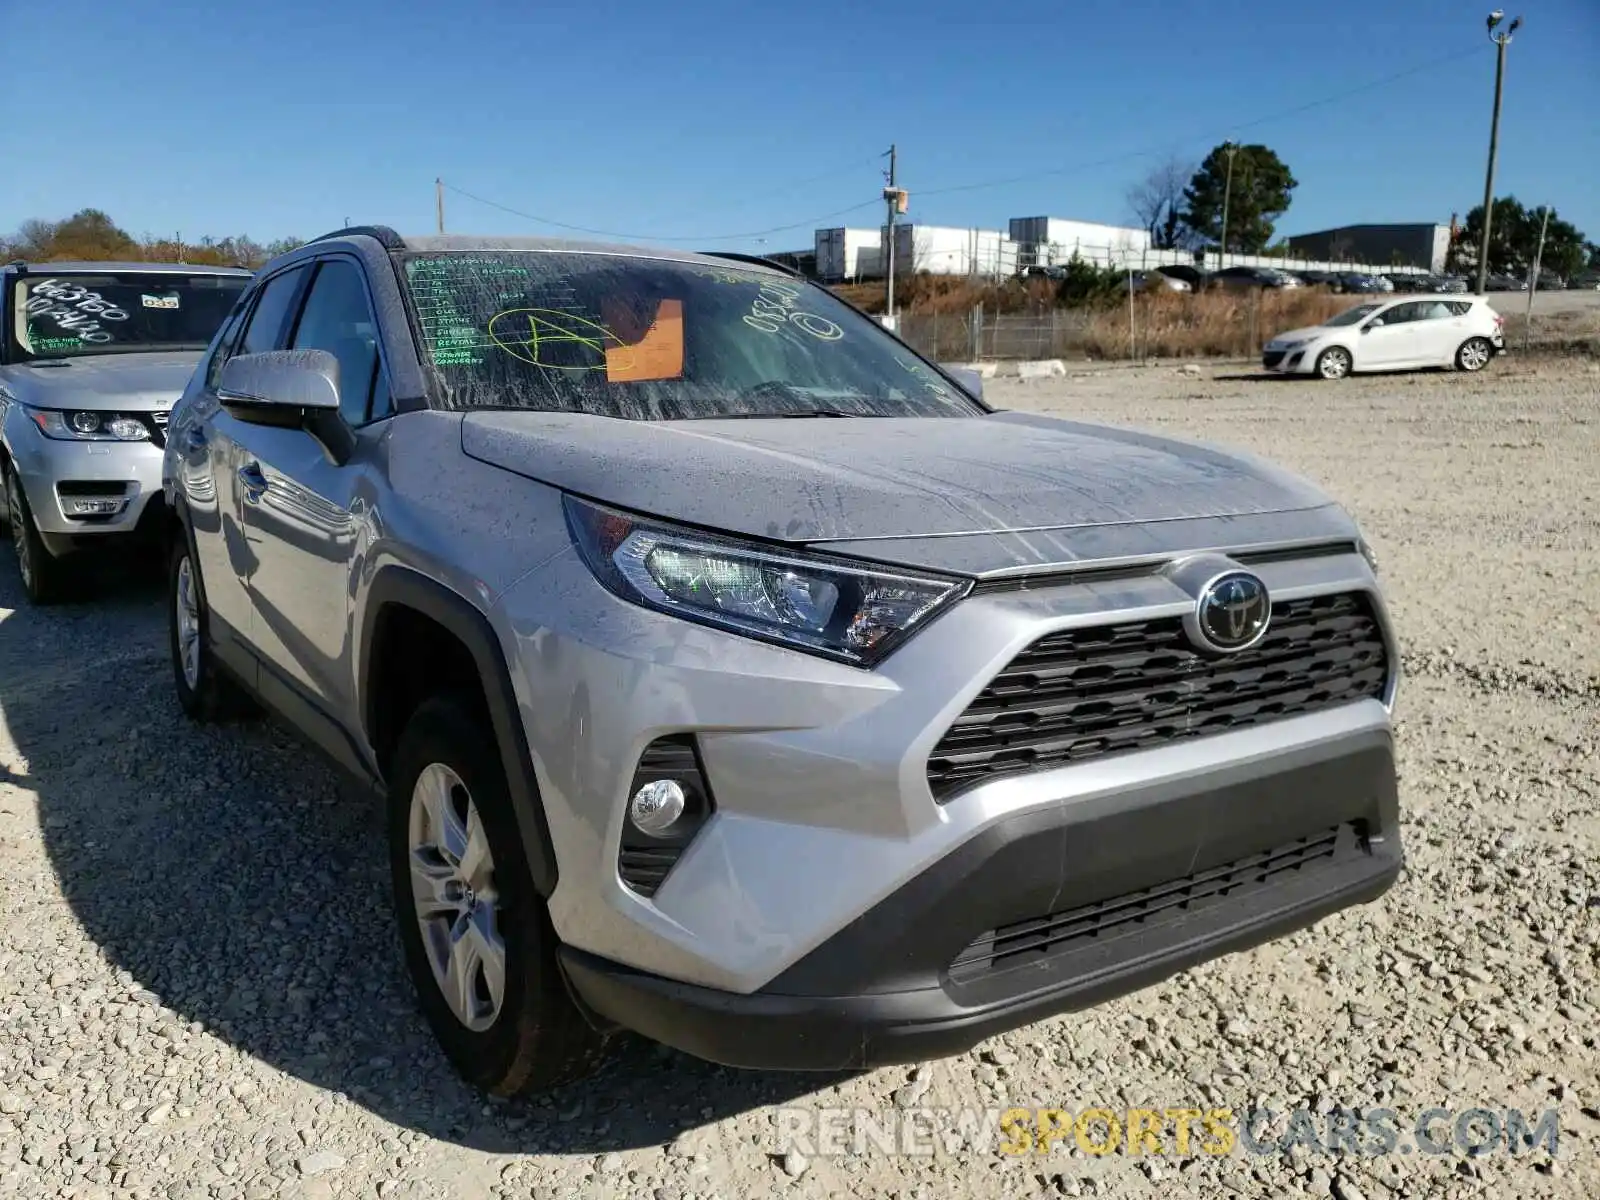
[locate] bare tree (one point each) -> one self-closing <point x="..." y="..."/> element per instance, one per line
<point x="1157" y="202"/>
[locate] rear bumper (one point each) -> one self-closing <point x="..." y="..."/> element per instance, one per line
<point x="1049" y="911"/>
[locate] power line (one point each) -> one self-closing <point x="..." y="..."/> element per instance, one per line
<point x="1112" y="160"/>
<point x="1276" y="116"/>
<point x="809" y="222"/>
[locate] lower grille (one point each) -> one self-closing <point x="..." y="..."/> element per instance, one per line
<point x="1272" y="358"/>
<point x="1023" y="943"/>
<point x="1086" y="693"/>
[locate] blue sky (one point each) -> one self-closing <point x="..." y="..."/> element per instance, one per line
<point x="704" y="118"/>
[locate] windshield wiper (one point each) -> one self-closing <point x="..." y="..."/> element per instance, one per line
<point x="790" y="416"/>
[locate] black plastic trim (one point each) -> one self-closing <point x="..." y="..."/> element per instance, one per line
<point x="879" y="991"/>
<point x="407" y="589"/>
<point x="386" y="237"/>
<point x="754" y="259"/>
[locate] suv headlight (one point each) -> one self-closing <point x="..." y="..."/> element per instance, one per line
<point x="72" y="426"/>
<point x="1368" y="553"/>
<point x="854" y="612"/>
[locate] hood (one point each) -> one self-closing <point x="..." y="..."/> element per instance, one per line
<point x="105" y="382"/>
<point x="1300" y="335"/>
<point x="873" y="478"/>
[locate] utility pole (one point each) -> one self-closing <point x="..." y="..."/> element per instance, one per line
<point x="1501" y="41"/>
<point x="1533" y="278"/>
<point x="1227" y="195"/>
<point x="438" y="202"/>
<point x="890" y="196"/>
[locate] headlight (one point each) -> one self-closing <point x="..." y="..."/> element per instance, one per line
<point x="1368" y="553"/>
<point x="853" y="612"/>
<point x="88" y="426"/>
<point x="1294" y="345"/>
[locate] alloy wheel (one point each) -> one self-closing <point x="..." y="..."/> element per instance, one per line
<point x="453" y="890"/>
<point x="188" y="615"/>
<point x="1475" y="355"/>
<point x="1334" y="364"/>
<point x="16" y="517"/>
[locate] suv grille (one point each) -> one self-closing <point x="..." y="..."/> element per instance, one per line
<point x="1025" y="942"/>
<point x="1086" y="693"/>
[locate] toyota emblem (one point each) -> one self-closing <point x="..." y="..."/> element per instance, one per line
<point x="1231" y="613"/>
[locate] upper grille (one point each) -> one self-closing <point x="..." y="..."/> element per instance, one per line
<point x="1085" y="693"/>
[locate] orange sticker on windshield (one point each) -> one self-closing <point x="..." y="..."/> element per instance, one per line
<point x="657" y="355"/>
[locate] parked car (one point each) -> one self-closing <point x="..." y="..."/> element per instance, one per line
<point x="1587" y="280"/>
<point x="1355" y="281"/>
<point x="792" y="743"/>
<point x="1157" y="281"/>
<point x="1327" y="279"/>
<point x="1392" y="335"/>
<point x="1505" y="283"/>
<point x="92" y="356"/>
<point x="1193" y="276"/>
<point x="1245" y="278"/>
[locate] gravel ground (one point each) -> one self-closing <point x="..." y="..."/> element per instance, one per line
<point x="200" y="994"/>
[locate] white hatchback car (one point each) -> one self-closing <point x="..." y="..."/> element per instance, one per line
<point x="1393" y="335"/>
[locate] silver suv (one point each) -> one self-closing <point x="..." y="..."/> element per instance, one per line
<point x="92" y="356"/>
<point x="737" y="677"/>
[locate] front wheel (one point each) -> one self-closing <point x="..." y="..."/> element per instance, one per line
<point x="1474" y="354"/>
<point x="477" y="937"/>
<point x="1334" y="363"/>
<point x="44" y="576"/>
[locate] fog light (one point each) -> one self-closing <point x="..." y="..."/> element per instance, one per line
<point x="93" y="508"/>
<point x="656" y="806"/>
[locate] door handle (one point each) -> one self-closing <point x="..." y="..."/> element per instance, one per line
<point x="254" y="481"/>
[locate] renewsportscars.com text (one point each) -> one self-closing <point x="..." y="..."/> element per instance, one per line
<point x="1178" y="1131"/>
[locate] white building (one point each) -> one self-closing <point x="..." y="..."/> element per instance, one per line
<point x="950" y="250"/>
<point x="845" y="255"/>
<point x="1052" y="241"/>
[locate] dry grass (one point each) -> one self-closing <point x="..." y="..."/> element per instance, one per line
<point x="927" y="294"/>
<point x="1179" y="325"/>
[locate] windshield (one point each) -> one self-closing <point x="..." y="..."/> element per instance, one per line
<point x="650" y="339"/>
<point x="60" y="315"/>
<point x="1353" y="315"/>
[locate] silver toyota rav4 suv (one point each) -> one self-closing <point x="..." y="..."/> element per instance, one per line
<point x="735" y="676"/>
<point x="92" y="356"/>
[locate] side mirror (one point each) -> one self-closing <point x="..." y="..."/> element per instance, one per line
<point x="279" y="387"/>
<point x="290" y="389"/>
<point x="971" y="381"/>
<point x="1375" y="323"/>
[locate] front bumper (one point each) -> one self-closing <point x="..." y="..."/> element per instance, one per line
<point x="820" y="772"/>
<point x="1287" y="362"/>
<point x="84" y="490"/>
<point x="1049" y="911"/>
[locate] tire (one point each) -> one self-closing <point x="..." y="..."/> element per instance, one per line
<point x="45" y="578"/>
<point x="205" y="693"/>
<point x="531" y="1036"/>
<point x="1475" y="354"/>
<point x="1334" y="363"/>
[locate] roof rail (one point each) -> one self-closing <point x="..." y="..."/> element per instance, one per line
<point x="735" y="256"/>
<point x="389" y="239"/>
